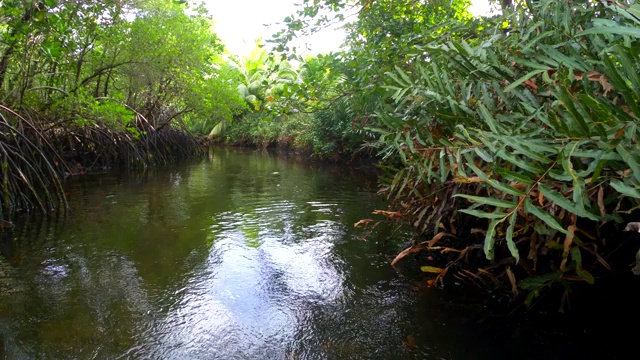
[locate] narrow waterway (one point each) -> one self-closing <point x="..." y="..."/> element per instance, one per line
<point x="242" y="255"/>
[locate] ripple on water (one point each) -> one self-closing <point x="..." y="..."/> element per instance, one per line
<point x="239" y="258"/>
<point x="248" y="298"/>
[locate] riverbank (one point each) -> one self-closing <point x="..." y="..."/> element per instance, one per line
<point x="38" y="154"/>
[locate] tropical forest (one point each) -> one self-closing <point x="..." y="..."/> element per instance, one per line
<point x="434" y="154"/>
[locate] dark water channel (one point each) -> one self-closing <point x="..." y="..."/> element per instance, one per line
<point x="243" y="255"/>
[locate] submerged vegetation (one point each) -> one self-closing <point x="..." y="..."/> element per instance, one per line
<point x="510" y="142"/>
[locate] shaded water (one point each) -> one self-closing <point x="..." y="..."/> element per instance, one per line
<point x="238" y="256"/>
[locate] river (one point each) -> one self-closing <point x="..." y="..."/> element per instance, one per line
<point x="243" y="255"/>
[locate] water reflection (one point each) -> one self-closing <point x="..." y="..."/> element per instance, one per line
<point x="240" y="256"/>
<point x="232" y="257"/>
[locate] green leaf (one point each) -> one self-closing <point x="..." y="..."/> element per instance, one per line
<point x="586" y="276"/>
<point x="397" y="80"/>
<point x="513" y="249"/>
<point x="521" y="146"/>
<point x="611" y="30"/>
<point x="442" y="167"/>
<point x="489" y="119"/>
<point x="630" y="160"/>
<point x="559" y="175"/>
<point x="635" y="11"/>
<point x="596" y="154"/>
<point x="483" y="154"/>
<point x="625" y="189"/>
<point x="538" y="282"/>
<point x="530" y="64"/>
<point x="404" y="76"/>
<point x="495" y="183"/>
<point x="514" y="176"/>
<point x="562" y="58"/>
<point x="568" y="102"/>
<point x="549" y="220"/>
<point x="489" y="239"/>
<point x="558" y="199"/>
<point x="482" y="214"/>
<point x="510" y="157"/>
<point x="528" y="76"/>
<point x="577" y="258"/>
<point x="530" y="297"/>
<point x="488" y="201"/>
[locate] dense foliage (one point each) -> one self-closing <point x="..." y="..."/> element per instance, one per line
<point x="514" y="136"/>
<point x="510" y="141"/>
<point x="298" y="107"/>
<point x="86" y="85"/>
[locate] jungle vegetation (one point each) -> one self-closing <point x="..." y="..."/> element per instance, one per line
<point x="87" y="85"/>
<point x="509" y="142"/>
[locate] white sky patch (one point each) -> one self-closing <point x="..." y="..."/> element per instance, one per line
<point x="481" y="8"/>
<point x="239" y="23"/>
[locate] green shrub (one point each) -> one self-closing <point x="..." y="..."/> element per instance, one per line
<point x="532" y="128"/>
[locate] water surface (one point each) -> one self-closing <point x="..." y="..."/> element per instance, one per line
<point x="243" y="255"/>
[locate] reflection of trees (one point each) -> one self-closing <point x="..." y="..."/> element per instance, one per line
<point x="73" y="301"/>
<point x="134" y="245"/>
<point x="87" y="284"/>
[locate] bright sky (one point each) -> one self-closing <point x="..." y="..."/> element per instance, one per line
<point x="240" y="22"/>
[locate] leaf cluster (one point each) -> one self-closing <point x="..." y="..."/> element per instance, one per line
<point x="531" y="125"/>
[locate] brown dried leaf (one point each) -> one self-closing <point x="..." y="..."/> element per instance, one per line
<point x="410" y="341"/>
<point x="512" y="280"/>
<point x="596" y="77"/>
<point x="603" y="211"/>
<point x="362" y="222"/>
<point x="467" y="180"/>
<point x="437" y="238"/>
<point x="586" y="234"/>
<point x="533" y="247"/>
<point x="425" y="245"/>
<point x="445" y="250"/>
<point x="602" y="261"/>
<point x="531" y="84"/>
<point x="568" y="240"/>
<point x="488" y="274"/>
<point x="453" y="228"/>
<point x="520" y="208"/>
<point x="540" y="199"/>
<point x="404" y="253"/>
<point x="393" y="215"/>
